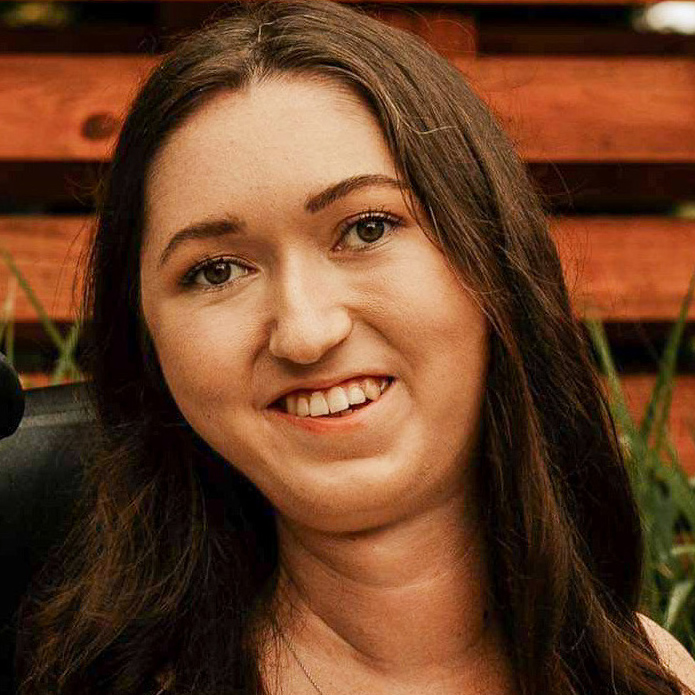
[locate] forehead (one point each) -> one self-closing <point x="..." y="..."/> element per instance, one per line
<point x="274" y="141"/>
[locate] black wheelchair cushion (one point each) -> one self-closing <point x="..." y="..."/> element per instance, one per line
<point x="40" y="477"/>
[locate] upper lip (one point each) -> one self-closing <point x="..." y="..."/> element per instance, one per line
<point x="321" y="384"/>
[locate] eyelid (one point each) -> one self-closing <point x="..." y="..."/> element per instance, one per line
<point x="187" y="281"/>
<point x="380" y="214"/>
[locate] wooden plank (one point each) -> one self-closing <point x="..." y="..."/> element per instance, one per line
<point x="34" y="380"/>
<point x="638" y="389"/>
<point x="62" y="107"/>
<point x="592" y="109"/>
<point x="47" y="251"/>
<point x="557" y="109"/>
<point x="625" y="269"/>
<point x="449" y="30"/>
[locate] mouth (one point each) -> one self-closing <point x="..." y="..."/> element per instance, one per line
<point x="338" y="402"/>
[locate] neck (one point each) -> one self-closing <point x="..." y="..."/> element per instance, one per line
<point x="405" y="606"/>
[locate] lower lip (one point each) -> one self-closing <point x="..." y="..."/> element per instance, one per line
<point x="357" y="420"/>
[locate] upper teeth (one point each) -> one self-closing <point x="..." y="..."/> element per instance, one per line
<point x="336" y="398"/>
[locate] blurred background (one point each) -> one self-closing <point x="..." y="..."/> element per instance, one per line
<point x="599" y="97"/>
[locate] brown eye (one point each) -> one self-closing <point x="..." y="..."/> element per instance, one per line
<point x="217" y="273"/>
<point x="371" y="229"/>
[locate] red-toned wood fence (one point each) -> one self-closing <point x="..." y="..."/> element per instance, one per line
<point x="592" y="104"/>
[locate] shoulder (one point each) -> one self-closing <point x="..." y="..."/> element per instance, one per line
<point x="671" y="652"/>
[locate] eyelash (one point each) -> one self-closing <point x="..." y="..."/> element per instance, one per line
<point x="395" y="222"/>
<point x="371" y="215"/>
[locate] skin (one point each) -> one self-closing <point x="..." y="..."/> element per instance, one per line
<point x="671" y="652"/>
<point x="378" y="523"/>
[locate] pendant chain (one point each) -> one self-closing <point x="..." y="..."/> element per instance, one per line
<point x="301" y="665"/>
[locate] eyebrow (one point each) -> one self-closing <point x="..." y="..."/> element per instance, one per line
<point x="318" y="202"/>
<point x="229" y="224"/>
<point x="205" y="229"/>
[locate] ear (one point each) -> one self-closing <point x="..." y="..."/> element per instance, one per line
<point x="671" y="652"/>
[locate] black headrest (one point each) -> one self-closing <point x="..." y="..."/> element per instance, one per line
<point x="11" y="399"/>
<point x="40" y="476"/>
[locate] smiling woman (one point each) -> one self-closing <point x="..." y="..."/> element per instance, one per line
<point x="352" y="441"/>
<point x="317" y="290"/>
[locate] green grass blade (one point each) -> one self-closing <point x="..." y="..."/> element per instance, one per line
<point x="9" y="341"/>
<point x="664" y="493"/>
<point x="659" y="406"/>
<point x="65" y="366"/>
<point x="617" y="398"/>
<point x="679" y="595"/>
<point x="48" y="325"/>
<point x="7" y="320"/>
<point x="64" y="346"/>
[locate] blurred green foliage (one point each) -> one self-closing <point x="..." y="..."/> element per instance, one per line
<point x="665" y="495"/>
<point x="65" y="367"/>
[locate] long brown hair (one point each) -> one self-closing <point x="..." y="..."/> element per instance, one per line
<point x="176" y="557"/>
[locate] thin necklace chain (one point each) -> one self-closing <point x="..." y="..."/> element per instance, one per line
<point x="301" y="665"/>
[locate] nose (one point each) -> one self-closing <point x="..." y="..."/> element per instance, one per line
<point x="310" y="316"/>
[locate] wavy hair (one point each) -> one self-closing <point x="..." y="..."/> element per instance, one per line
<point x="175" y="558"/>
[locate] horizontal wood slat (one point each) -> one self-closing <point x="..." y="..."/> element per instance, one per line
<point x="448" y="29"/>
<point x="63" y="107"/>
<point x="592" y="109"/>
<point x="624" y="269"/>
<point x="627" y="269"/>
<point x="557" y="109"/>
<point x="47" y="251"/>
<point x="638" y="390"/>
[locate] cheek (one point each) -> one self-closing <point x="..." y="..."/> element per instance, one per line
<point x="443" y="334"/>
<point x="204" y="356"/>
<point x="428" y="309"/>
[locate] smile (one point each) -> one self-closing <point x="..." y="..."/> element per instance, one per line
<point x="337" y="401"/>
<point x="356" y="419"/>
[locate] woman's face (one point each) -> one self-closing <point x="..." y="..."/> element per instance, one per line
<point x="281" y="256"/>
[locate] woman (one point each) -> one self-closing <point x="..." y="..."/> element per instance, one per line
<point x="352" y="441"/>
